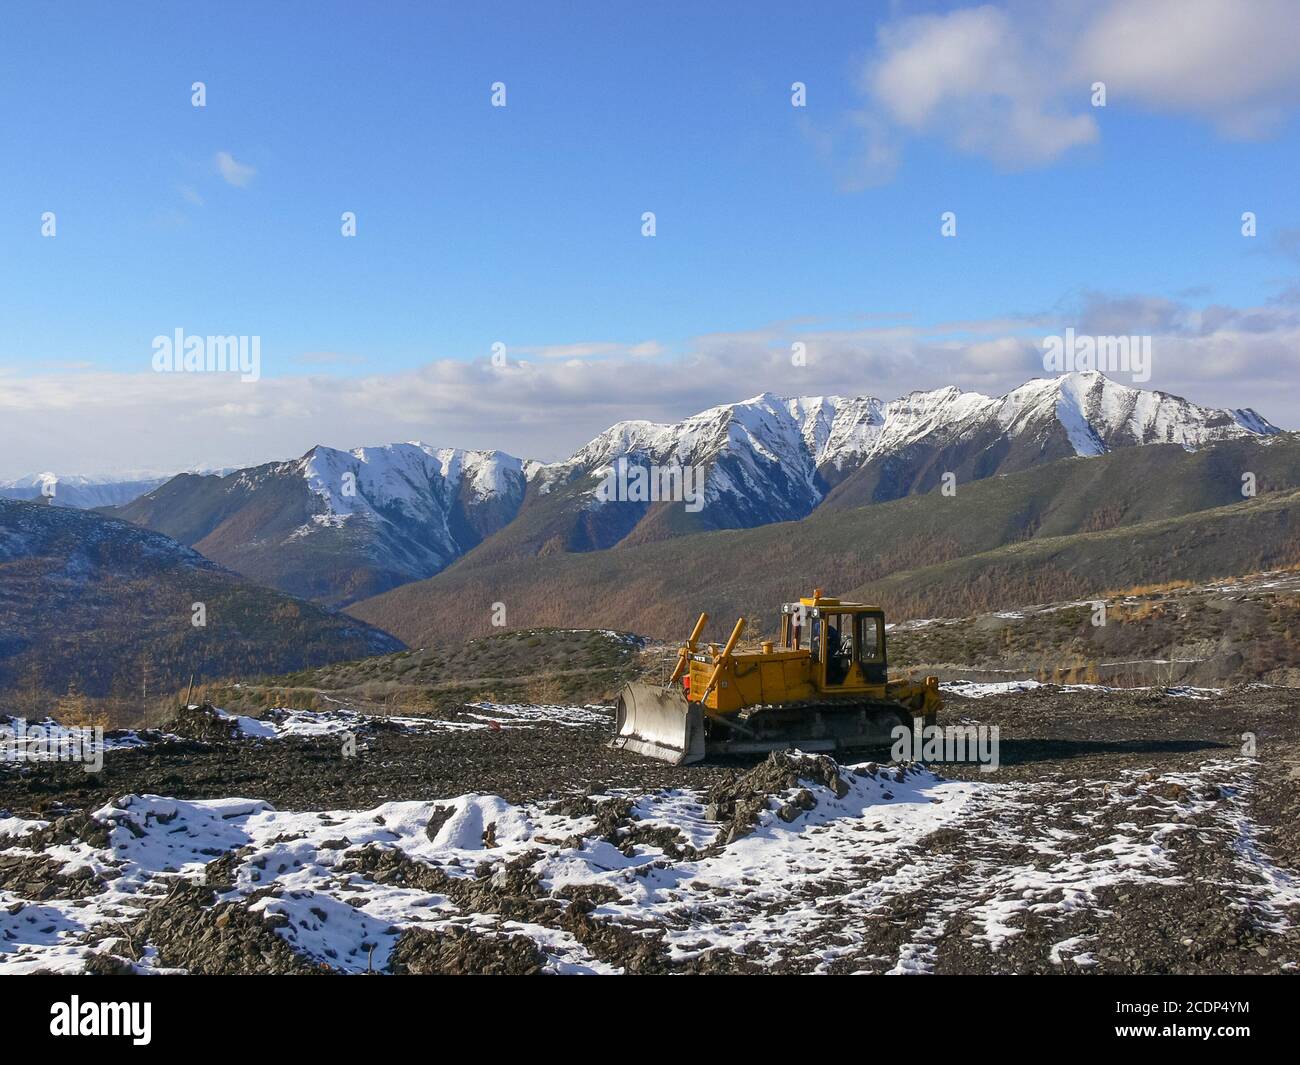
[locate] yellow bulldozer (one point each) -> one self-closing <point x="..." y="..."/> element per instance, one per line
<point x="823" y="685"/>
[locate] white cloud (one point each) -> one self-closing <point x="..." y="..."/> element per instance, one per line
<point x="548" y="407"/>
<point x="976" y="78"/>
<point x="1234" y="64"/>
<point x="1012" y="83"/>
<point x="234" y="172"/>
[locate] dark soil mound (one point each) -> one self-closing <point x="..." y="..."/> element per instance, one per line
<point x="202" y="723"/>
<point x="192" y="931"/>
<point x="738" y="800"/>
<point x="457" y="951"/>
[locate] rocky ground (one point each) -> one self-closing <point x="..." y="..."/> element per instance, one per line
<point x="1124" y="831"/>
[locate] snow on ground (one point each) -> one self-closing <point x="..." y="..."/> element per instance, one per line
<point x="1268" y="890"/>
<point x="155" y="839"/>
<point x="809" y="888"/>
<point x="519" y="715"/>
<point x="285" y="722"/>
<point x="35" y="741"/>
<point x="972" y="689"/>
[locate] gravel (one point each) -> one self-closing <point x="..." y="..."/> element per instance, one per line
<point x="1084" y="767"/>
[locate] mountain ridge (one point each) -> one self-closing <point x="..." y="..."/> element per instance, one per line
<point x="342" y="526"/>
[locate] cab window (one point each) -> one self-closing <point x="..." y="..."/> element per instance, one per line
<point x="839" y="647"/>
<point x="870" y="638"/>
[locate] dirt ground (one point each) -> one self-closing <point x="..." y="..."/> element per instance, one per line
<point x="1171" y="777"/>
<point x="1076" y="749"/>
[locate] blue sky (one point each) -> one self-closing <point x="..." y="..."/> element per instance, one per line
<point x="522" y="224"/>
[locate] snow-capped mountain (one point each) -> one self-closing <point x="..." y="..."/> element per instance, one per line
<point x="342" y="525"/>
<point x="77" y="491"/>
<point x="449" y="496"/>
<point x="760" y="456"/>
<point x="1099" y="414"/>
<point x="927" y="434"/>
<point x="771" y="458"/>
<point x="85" y="492"/>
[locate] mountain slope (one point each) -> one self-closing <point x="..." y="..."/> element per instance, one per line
<point x="336" y="526"/>
<point x="658" y="588"/>
<point x="1241" y="538"/>
<point x="771" y="459"/>
<point x="98" y="602"/>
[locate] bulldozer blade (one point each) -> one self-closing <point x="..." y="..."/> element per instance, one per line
<point x="659" y="723"/>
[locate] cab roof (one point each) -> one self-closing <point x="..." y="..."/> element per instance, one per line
<point x="826" y="602"/>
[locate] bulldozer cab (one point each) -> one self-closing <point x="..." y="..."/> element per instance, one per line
<point x="846" y="641"/>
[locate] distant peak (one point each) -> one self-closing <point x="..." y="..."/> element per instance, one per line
<point x="942" y="390"/>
